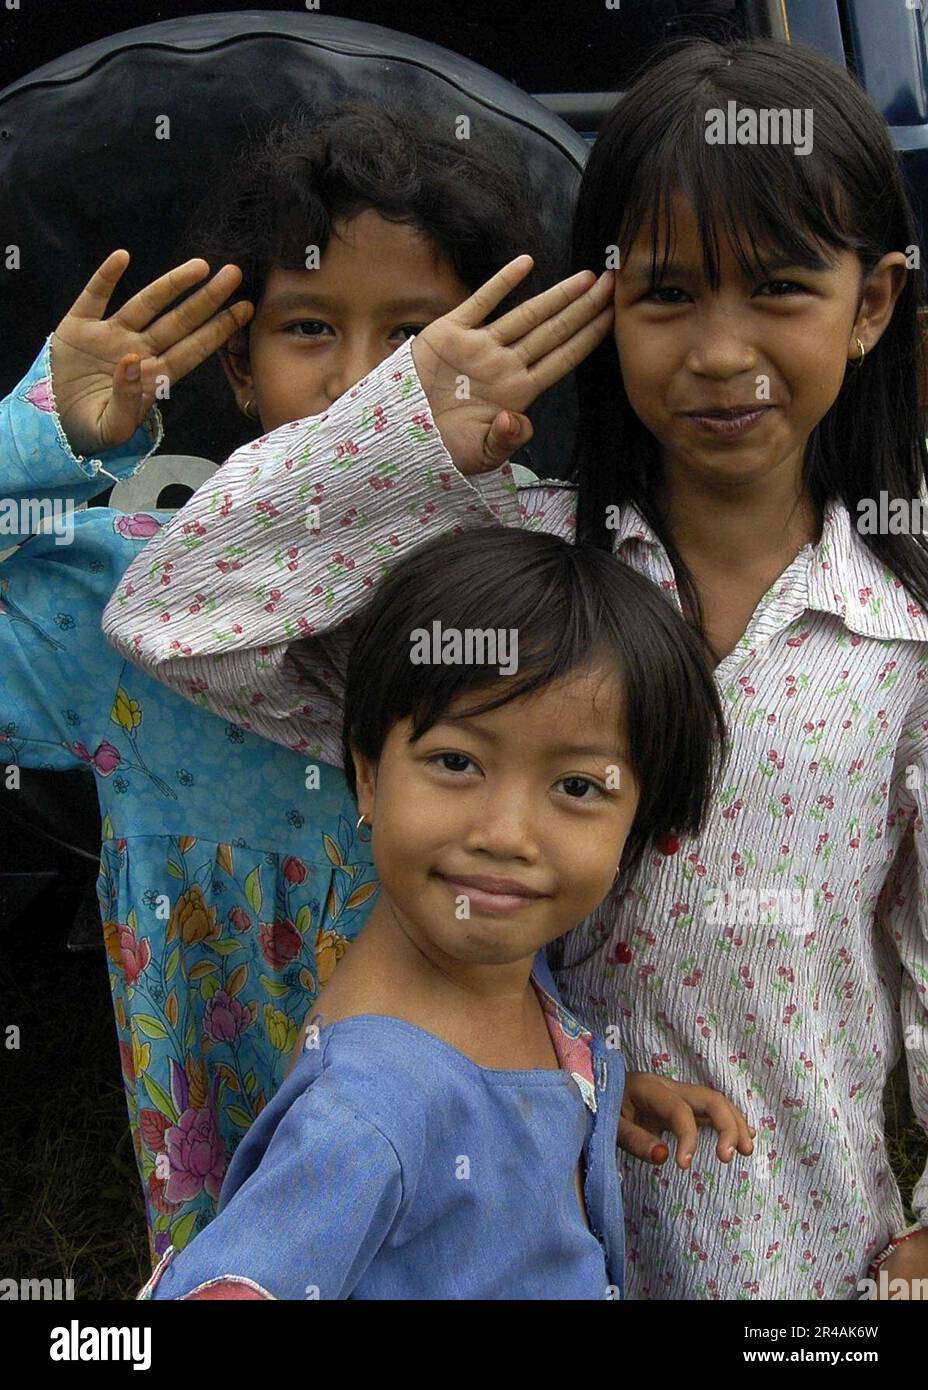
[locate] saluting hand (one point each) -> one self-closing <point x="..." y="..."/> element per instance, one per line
<point x="480" y="378"/>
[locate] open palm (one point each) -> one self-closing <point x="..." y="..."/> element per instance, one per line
<point x="480" y="378"/>
<point x="99" y="402"/>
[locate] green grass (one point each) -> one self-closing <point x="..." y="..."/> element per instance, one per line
<point x="68" y="1180"/>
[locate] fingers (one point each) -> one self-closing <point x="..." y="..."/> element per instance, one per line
<point x="125" y="408"/>
<point x="197" y="346"/>
<point x="640" y="1144"/>
<point x="509" y="431"/>
<point x="560" y="327"/>
<point x="93" y="299"/>
<point x="170" y="328"/>
<point x="473" y="311"/>
<point x="564" y="359"/>
<point x="734" y="1132"/>
<point x="139" y="311"/>
<point x="678" y="1117"/>
<point x="521" y="325"/>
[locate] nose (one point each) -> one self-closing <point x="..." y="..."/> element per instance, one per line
<point x="721" y="347"/>
<point x="354" y="357"/>
<point x="503" y="823"/>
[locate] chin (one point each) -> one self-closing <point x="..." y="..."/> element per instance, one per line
<point x="485" y="946"/>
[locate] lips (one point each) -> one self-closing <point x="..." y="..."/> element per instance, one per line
<point x="505" y="887"/>
<point x="729" y="412"/>
<point x="727" y="423"/>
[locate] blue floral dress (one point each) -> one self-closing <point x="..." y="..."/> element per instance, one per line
<point x="231" y="880"/>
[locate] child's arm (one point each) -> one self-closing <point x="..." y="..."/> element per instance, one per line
<point x="241" y="603"/>
<point x="58" y="672"/>
<point x="38" y="466"/>
<point x="305" y="1222"/>
<point x="62" y="430"/>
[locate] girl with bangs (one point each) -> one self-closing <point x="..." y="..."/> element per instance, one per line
<point x="755" y="406"/>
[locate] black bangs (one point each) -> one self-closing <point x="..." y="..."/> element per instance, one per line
<point x="291" y="184"/>
<point x="764" y="200"/>
<point x="765" y="197"/>
<point x="557" y="632"/>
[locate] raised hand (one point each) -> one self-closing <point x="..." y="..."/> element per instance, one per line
<point x="479" y="379"/>
<point x="105" y="370"/>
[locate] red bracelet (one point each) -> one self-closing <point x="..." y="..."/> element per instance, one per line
<point x="893" y="1245"/>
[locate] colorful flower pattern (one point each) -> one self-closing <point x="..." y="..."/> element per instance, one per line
<point x="231" y="881"/>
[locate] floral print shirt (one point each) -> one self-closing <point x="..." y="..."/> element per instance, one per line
<point x="781" y="957"/>
<point x="230" y="880"/>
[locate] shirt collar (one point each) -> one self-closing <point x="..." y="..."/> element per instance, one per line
<point x="847" y="579"/>
<point x="844" y="578"/>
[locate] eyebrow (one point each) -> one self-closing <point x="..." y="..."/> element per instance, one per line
<point x="561" y="749"/>
<point x="288" y="300"/>
<point x="639" y="272"/>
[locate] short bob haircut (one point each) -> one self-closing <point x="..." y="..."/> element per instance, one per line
<point x="573" y="606"/>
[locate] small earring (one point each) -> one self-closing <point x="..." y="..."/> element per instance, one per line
<point x="246" y="408"/>
<point x="862" y="350"/>
<point x="362" y="820"/>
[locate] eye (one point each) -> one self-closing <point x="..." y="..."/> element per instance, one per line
<point x="790" y="287"/>
<point x="664" y="289"/>
<point x="316" y="328"/>
<point x="578" y="785"/>
<point x="408" y="330"/>
<point x="442" y="759"/>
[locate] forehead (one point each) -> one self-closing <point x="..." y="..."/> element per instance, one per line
<point x="587" y="705"/>
<point x="373" y="261"/>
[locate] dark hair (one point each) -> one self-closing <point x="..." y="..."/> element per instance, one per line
<point x="847" y="194"/>
<point x="572" y="606"/>
<point x="287" y="187"/>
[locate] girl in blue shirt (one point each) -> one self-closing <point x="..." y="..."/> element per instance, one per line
<point x="448" y="1129"/>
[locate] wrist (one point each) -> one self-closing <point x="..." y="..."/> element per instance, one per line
<point x="910" y="1245"/>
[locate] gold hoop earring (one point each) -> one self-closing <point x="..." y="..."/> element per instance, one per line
<point x="365" y="839"/>
<point x="862" y="350"/>
<point x="246" y="409"/>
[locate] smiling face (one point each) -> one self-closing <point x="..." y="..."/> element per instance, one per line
<point x="516" y="800"/>
<point x="316" y="333"/>
<point x="778" y="346"/>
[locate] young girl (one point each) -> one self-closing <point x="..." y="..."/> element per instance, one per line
<point x="231" y="880"/>
<point x="450" y="1129"/>
<point x="760" y="384"/>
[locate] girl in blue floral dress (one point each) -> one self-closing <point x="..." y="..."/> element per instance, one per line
<point x="231" y="879"/>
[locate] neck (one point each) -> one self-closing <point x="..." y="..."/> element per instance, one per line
<point x="416" y="974"/>
<point x="739" y="527"/>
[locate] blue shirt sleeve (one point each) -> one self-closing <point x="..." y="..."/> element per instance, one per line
<point x="59" y="675"/>
<point x="309" y="1209"/>
<point x="36" y="461"/>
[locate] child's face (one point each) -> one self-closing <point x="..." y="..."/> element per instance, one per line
<point x="316" y="333"/>
<point x="781" y="347"/>
<point x="521" y="793"/>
